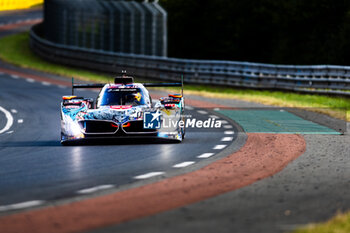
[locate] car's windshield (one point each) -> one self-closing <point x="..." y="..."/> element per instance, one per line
<point x="121" y="96"/>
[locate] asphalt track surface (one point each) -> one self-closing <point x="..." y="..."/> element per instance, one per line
<point x="313" y="188"/>
<point x="33" y="159"/>
<point x="57" y="171"/>
<point x="34" y="166"/>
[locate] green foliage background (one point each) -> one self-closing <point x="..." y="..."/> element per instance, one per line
<point x="270" y="31"/>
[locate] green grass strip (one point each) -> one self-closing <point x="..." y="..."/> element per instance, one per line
<point x="334" y="106"/>
<point x="338" y="224"/>
<point x="15" y="49"/>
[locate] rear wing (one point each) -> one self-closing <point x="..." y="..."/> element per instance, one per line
<point x="126" y="81"/>
<point x="162" y="84"/>
<point x="84" y="86"/>
<point x="168" y="85"/>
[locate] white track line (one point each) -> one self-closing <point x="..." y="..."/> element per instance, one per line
<point x="216" y="109"/>
<point x="14" y="111"/>
<point x="21" y="205"/>
<point x="148" y="175"/>
<point x="20" y="121"/>
<point x="61" y="86"/>
<point x="45" y="83"/>
<point x="228" y="126"/>
<point x="214" y="116"/>
<point x="205" y="155"/>
<point x="95" y="189"/>
<point x="219" y="147"/>
<point x="9" y="122"/>
<point x="184" y="164"/>
<point x="30" y="80"/>
<point x="223" y="121"/>
<point x="227" y="139"/>
<point x="189" y="108"/>
<point x="15" y="76"/>
<point x="202" y="112"/>
<point x="229" y="132"/>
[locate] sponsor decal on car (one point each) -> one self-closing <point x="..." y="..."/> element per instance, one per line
<point x="152" y="120"/>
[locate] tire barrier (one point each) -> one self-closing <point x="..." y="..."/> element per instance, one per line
<point x="108" y="25"/>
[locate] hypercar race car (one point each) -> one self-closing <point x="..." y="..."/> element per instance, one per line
<point x="123" y="109"/>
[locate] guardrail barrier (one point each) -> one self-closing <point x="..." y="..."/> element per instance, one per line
<point x="326" y="79"/>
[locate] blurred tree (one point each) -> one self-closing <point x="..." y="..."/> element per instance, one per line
<point x="289" y="31"/>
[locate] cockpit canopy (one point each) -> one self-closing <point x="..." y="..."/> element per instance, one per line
<point x="122" y="96"/>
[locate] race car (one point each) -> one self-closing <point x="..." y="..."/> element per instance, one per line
<point x="123" y="109"/>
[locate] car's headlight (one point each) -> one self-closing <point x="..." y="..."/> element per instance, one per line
<point x="75" y="129"/>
